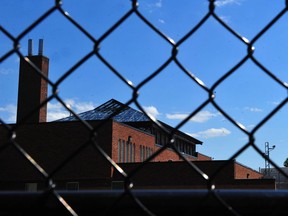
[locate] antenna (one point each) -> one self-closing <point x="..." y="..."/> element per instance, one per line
<point x="40" y="49"/>
<point x="267" y="153"/>
<point x="30" y="47"/>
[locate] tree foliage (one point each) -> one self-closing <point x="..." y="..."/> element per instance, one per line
<point x="286" y="162"/>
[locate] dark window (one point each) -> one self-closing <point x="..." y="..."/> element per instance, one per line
<point x="123" y="151"/>
<point x="31" y="187"/>
<point x="127" y="151"/>
<point x="133" y="153"/>
<point x="119" y="151"/>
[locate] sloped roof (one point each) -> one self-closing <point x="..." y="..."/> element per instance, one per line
<point x="121" y="113"/>
<point x="104" y="111"/>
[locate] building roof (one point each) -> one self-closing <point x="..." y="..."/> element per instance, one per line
<point x="123" y="113"/>
<point x="120" y="112"/>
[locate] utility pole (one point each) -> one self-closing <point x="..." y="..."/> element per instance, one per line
<point x="267" y="162"/>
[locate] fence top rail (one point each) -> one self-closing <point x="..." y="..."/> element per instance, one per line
<point x="160" y="202"/>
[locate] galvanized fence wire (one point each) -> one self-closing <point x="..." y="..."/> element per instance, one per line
<point x="135" y="90"/>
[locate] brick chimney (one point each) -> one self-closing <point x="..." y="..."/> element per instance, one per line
<point x="32" y="88"/>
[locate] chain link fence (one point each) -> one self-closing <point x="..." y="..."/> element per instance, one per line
<point x="145" y="202"/>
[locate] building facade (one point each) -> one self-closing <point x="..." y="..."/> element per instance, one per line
<point x="83" y="154"/>
<point x="281" y="180"/>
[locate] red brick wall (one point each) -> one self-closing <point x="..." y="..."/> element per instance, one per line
<point x="43" y="91"/>
<point x="202" y="157"/>
<point x="169" y="154"/>
<point x="243" y="172"/>
<point x="32" y="89"/>
<point x="122" y="131"/>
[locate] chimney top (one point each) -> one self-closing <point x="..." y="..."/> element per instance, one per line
<point x="30" y="47"/>
<point x="40" y="48"/>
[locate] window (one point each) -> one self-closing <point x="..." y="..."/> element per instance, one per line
<point x="72" y="186"/>
<point x="31" y="187"/>
<point x="133" y="152"/>
<point x="163" y="138"/>
<point x="123" y="151"/>
<point x="185" y="147"/>
<point x="119" y="151"/>
<point x="144" y="153"/>
<point x="141" y="153"/>
<point x="158" y="141"/>
<point x="127" y="151"/>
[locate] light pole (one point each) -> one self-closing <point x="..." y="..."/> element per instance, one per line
<point x="267" y="162"/>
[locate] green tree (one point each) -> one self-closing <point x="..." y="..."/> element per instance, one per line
<point x="286" y="162"/>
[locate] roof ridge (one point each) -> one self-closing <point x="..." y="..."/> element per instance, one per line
<point x="111" y="105"/>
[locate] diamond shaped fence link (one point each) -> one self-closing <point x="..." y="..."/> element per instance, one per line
<point x="136" y="197"/>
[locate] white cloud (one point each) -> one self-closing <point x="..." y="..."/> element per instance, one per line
<point x="10" y="108"/>
<point x="222" y="3"/>
<point x="158" y="4"/>
<point x="200" y="117"/>
<point x="52" y="115"/>
<point x="253" y="109"/>
<point x="10" y="112"/>
<point x="54" y="110"/>
<point x="79" y="107"/>
<point x="151" y="110"/>
<point x="251" y="126"/>
<point x="225" y="19"/>
<point x="212" y="132"/>
<point x="275" y="102"/>
<point x="155" y="5"/>
<point x="5" y="71"/>
<point x="57" y="111"/>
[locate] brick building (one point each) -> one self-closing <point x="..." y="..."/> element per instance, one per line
<point x="179" y="175"/>
<point x="75" y="156"/>
<point x="281" y="180"/>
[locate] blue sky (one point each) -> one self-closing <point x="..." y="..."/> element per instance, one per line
<point x="135" y="51"/>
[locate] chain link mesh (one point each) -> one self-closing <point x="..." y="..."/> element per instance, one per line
<point x="175" y="47"/>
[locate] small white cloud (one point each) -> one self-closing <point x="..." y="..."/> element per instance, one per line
<point x="225" y="19"/>
<point x="200" y="117"/>
<point x="52" y="115"/>
<point x="10" y="112"/>
<point x="5" y="71"/>
<point x="54" y="106"/>
<point x="79" y="107"/>
<point x="251" y="126"/>
<point x="151" y="110"/>
<point x="212" y="132"/>
<point x="161" y="21"/>
<point x="57" y="111"/>
<point x="222" y="3"/>
<point x="253" y="109"/>
<point x="203" y="116"/>
<point x="10" y="108"/>
<point x="158" y="4"/>
<point x="155" y="5"/>
<point x="176" y="116"/>
<point x="275" y="102"/>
